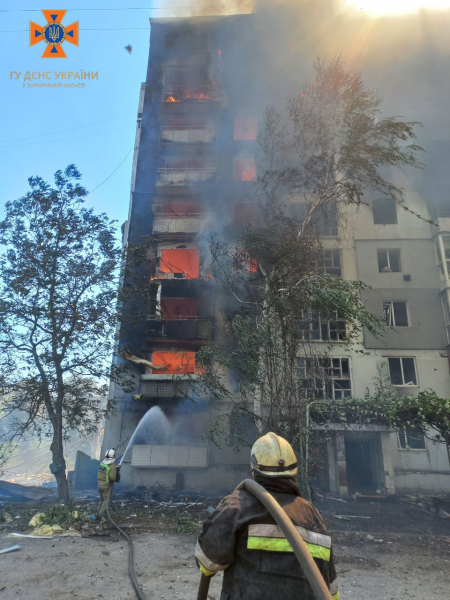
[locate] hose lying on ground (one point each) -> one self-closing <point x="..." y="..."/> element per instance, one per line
<point x="131" y="572"/>
<point x="310" y="569"/>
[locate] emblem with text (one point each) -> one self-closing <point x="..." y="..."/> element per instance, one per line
<point x="54" y="34"/>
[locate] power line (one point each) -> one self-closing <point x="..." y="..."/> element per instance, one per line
<point x="109" y="176"/>
<point x="31" y="137"/>
<point x="65" y="139"/>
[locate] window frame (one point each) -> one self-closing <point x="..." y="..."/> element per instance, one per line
<point x="392" y="312"/>
<point x="323" y="320"/>
<point x="323" y="268"/>
<point x="374" y="211"/>
<point x="326" y="378"/>
<point x="388" y="260"/>
<point x="403" y="385"/>
<point x="407" y="447"/>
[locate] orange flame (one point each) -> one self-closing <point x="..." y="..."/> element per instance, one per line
<point x="172" y="99"/>
<point x="248" y="176"/>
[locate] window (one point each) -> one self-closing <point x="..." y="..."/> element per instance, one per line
<point x="384" y="211"/>
<point x="325" y="221"/>
<point x="410" y="439"/>
<point x="329" y="262"/>
<point x="402" y="371"/>
<point x="244" y="170"/>
<point x="389" y="261"/>
<point x="395" y="314"/>
<point x="325" y="378"/>
<point x="173" y="363"/>
<point x="245" y="128"/>
<point x="318" y="327"/>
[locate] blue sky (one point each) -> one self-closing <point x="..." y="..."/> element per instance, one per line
<point x="97" y="148"/>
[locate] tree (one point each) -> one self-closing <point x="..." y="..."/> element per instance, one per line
<point x="58" y="297"/>
<point x="325" y="152"/>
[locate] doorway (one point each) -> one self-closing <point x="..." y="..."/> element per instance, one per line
<point x="363" y="458"/>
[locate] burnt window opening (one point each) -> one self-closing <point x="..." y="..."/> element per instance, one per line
<point x="389" y="261"/>
<point x="410" y="439"/>
<point x="194" y="40"/>
<point x="244" y="170"/>
<point x="245" y="128"/>
<point x="384" y="211"/>
<point x="325" y="378"/>
<point x="182" y="262"/>
<point x="396" y="314"/>
<point x="402" y="371"/>
<point x="329" y="262"/>
<point x="318" y="327"/>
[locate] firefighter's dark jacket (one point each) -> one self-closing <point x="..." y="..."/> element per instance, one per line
<point x="242" y="539"/>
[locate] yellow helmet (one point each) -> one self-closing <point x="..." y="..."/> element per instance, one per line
<point x="272" y="456"/>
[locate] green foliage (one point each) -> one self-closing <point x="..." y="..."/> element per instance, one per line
<point x="186" y="525"/>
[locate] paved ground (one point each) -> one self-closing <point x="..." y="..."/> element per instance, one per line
<point x="399" y="568"/>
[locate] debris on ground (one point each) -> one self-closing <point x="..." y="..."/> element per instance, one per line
<point x="14" y="492"/>
<point x="10" y="549"/>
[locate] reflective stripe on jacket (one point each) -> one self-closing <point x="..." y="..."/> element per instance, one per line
<point x="242" y="539"/>
<point x="107" y="474"/>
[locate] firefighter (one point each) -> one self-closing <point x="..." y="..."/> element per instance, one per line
<point x="108" y="474"/>
<point x="242" y="539"/>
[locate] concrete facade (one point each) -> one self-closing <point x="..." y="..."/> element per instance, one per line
<point x="173" y="124"/>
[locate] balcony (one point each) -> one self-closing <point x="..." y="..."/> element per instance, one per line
<point x="185" y="176"/>
<point x="192" y="93"/>
<point x="188" y="135"/>
<point x="193" y="328"/>
<point x="162" y="389"/>
<point x="189" y="223"/>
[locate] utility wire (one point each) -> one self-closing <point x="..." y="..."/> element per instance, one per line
<point x="31" y="137"/>
<point x="109" y="176"/>
<point x="66" y="139"/>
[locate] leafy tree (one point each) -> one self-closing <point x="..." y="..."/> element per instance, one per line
<point x="325" y="151"/>
<point x="58" y="296"/>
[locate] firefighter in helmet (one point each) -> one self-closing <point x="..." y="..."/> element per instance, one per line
<point x="108" y="474"/>
<point x="242" y="539"/>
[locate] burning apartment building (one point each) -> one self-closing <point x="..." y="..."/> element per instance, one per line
<point x="208" y="83"/>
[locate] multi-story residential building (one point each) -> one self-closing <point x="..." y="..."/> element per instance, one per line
<point x="194" y="165"/>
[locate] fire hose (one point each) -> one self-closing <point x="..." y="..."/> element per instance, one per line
<point x="124" y="534"/>
<point x="311" y="570"/>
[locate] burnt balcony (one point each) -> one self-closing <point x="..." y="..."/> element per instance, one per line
<point x="191" y="93"/>
<point x="188" y="134"/>
<point x="162" y="389"/>
<point x="177" y="176"/>
<point x="191" y="328"/>
<point x="188" y="223"/>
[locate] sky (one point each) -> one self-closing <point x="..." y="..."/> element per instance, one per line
<point x="45" y="129"/>
<point x="33" y="122"/>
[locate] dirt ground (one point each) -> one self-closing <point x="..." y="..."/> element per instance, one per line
<point x="411" y="561"/>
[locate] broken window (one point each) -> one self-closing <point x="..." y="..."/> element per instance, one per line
<point x="389" y="261"/>
<point x="245" y="128"/>
<point x="318" y="327"/>
<point x="244" y="170"/>
<point x="325" y="378"/>
<point x="175" y="363"/>
<point x="384" y="211"/>
<point x="325" y="221"/>
<point x="410" y="439"/>
<point x="244" y="214"/>
<point x="329" y="262"/>
<point x="181" y="261"/>
<point x="395" y="314"/>
<point x="402" y="371"/>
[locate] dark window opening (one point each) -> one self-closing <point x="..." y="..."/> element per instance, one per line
<point x="395" y="314"/>
<point x="384" y="211"/>
<point x="402" y="371"/>
<point x="409" y="439"/>
<point x="389" y="261"/>
<point x="329" y="262"/>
